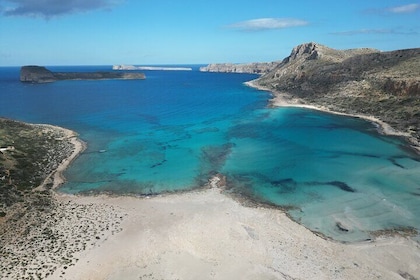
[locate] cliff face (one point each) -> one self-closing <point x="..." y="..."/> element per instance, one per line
<point x="359" y="81"/>
<point x="39" y="74"/>
<point x="253" y="68"/>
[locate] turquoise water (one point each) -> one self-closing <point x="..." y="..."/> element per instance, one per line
<point x="174" y="130"/>
<point x="334" y="169"/>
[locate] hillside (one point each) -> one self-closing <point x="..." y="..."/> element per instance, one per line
<point x="358" y="81"/>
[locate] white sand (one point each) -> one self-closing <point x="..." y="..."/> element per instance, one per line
<point x="208" y="235"/>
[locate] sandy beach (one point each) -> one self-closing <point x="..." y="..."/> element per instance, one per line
<point x="208" y="235"/>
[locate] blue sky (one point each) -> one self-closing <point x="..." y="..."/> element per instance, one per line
<point x="140" y="32"/>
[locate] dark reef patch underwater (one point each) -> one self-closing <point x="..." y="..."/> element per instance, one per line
<point x="174" y="130"/>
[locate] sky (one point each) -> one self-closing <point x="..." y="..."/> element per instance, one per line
<point x="153" y="32"/>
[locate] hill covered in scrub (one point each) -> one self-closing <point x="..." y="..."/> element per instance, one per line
<point x="362" y="81"/>
<point x="359" y="81"/>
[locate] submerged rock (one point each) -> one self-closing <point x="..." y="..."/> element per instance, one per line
<point x="343" y="186"/>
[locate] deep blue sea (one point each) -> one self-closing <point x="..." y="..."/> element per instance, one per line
<point x="176" y="129"/>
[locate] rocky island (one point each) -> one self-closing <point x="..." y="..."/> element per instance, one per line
<point x="40" y="74"/>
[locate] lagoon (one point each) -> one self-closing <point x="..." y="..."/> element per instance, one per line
<point x="175" y="130"/>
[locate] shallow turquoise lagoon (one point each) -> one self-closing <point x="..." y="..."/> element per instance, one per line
<point x="174" y="130"/>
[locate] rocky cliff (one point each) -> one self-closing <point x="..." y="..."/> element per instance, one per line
<point x="253" y="68"/>
<point x="359" y="81"/>
<point x="39" y="74"/>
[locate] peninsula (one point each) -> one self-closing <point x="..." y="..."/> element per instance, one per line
<point x="40" y="74"/>
<point x="383" y="87"/>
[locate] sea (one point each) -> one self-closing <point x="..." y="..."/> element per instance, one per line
<point x="174" y="130"/>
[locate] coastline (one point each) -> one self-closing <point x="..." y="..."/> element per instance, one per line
<point x="56" y="178"/>
<point x="285" y="100"/>
<point x="203" y="234"/>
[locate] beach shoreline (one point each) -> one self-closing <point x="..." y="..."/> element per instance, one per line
<point x="56" y="178"/>
<point x="204" y="233"/>
<point x="285" y="100"/>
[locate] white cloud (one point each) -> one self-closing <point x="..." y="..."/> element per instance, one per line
<point x="405" y="9"/>
<point x="52" y="8"/>
<point x="267" y="23"/>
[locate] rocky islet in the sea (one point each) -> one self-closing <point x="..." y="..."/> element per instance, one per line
<point x="39" y="74"/>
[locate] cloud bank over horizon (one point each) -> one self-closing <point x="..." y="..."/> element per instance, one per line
<point x="267" y="24"/>
<point x="51" y="8"/>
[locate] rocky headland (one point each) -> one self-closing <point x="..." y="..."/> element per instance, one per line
<point x="252" y="68"/>
<point x="40" y="74"/>
<point x="381" y="86"/>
